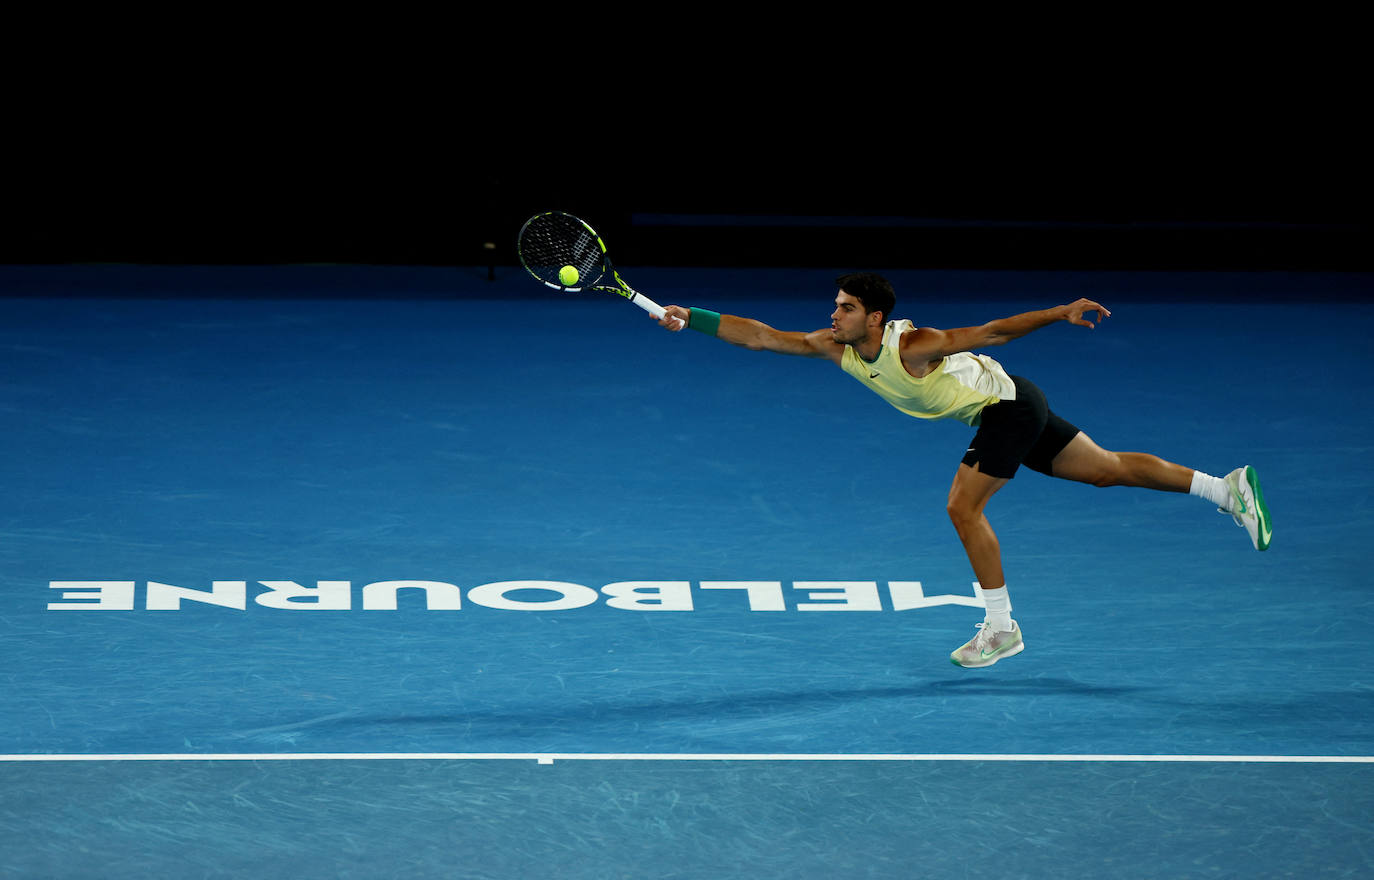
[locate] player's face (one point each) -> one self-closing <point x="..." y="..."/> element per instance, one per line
<point x="849" y="322"/>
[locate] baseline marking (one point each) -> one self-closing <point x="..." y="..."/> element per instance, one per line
<point x="549" y="758"/>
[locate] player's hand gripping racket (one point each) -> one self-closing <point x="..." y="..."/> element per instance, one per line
<point x="566" y="254"/>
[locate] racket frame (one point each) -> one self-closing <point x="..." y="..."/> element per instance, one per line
<point x="620" y="288"/>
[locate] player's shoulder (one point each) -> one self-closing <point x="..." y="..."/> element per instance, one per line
<point x="908" y="334"/>
<point x="920" y="345"/>
<point x="823" y="343"/>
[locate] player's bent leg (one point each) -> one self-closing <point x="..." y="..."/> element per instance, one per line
<point x="968" y="496"/>
<point x="1084" y="461"/>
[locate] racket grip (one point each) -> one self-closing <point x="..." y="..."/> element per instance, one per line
<point x="651" y="307"/>
<point x="648" y="305"/>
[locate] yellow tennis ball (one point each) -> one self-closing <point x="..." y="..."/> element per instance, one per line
<point x="568" y="275"/>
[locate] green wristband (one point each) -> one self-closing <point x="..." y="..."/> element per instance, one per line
<point x="705" y="321"/>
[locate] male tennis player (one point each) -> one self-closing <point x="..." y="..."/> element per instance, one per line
<point x="932" y="374"/>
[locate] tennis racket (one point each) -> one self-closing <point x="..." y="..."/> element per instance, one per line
<point x="553" y="241"/>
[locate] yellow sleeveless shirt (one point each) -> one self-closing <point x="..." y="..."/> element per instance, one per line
<point x="958" y="388"/>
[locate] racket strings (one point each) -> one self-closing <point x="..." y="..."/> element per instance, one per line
<point x="551" y="241"/>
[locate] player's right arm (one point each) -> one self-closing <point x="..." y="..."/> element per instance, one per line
<point x="758" y="336"/>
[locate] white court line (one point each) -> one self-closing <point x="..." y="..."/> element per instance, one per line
<point x="549" y="758"/>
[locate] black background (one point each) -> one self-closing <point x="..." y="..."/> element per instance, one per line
<point x="1275" y="192"/>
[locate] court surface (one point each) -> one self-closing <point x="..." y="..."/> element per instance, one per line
<point x="670" y="609"/>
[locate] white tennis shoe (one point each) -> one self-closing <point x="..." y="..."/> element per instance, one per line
<point x="1250" y="513"/>
<point x="988" y="646"/>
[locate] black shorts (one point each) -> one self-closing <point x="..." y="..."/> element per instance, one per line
<point x="1016" y="432"/>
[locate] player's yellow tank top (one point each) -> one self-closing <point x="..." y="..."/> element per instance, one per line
<point x="958" y="388"/>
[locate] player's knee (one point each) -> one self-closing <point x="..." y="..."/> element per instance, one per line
<point x="1102" y="470"/>
<point x="1109" y="470"/>
<point x="961" y="515"/>
<point x="1106" y="478"/>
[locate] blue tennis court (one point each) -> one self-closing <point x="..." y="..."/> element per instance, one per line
<point x="367" y="572"/>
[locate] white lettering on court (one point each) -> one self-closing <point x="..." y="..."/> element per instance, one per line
<point x="803" y="596"/>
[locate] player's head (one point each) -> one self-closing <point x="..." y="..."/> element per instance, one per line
<point x="871" y="289"/>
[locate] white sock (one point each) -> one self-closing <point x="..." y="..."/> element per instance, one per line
<point x="998" y="608"/>
<point x="1214" y="489"/>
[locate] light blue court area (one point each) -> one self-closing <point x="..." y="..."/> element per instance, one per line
<point x="488" y="819"/>
<point x="439" y="527"/>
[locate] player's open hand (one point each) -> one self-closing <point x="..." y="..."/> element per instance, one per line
<point x="1074" y="313"/>
<point x="674" y="318"/>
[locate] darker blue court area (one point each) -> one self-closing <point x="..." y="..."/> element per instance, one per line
<point x="616" y="540"/>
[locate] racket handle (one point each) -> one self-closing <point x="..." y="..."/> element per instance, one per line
<point x="652" y="307"/>
<point x="648" y="305"/>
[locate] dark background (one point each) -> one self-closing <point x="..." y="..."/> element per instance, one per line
<point x="1161" y="142"/>
<point x="1182" y="198"/>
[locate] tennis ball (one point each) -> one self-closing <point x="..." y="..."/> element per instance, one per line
<point x="568" y="275"/>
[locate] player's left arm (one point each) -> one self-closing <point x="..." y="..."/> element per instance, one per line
<point x="927" y="343"/>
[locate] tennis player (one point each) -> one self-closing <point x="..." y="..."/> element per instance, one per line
<point x="933" y="374"/>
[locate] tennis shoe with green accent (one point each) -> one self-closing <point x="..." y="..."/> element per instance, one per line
<point x="988" y="646"/>
<point x="1248" y="507"/>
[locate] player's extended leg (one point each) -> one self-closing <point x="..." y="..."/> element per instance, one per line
<point x="1086" y="462"/>
<point x="1238" y="494"/>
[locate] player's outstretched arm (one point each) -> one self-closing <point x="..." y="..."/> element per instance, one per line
<point x="928" y="343"/>
<point x="753" y="335"/>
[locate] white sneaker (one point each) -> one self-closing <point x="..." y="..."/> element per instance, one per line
<point x="988" y="646"/>
<point x="1251" y="513"/>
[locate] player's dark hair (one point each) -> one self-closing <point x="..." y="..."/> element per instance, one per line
<point x="871" y="289"/>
